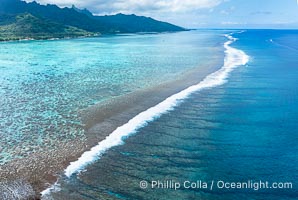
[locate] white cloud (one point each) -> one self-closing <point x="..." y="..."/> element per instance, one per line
<point x="224" y="12"/>
<point x="232" y="23"/>
<point x="137" y="6"/>
<point x="186" y="13"/>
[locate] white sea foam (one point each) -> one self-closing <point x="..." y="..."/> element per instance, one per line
<point x="233" y="59"/>
<point x="54" y="188"/>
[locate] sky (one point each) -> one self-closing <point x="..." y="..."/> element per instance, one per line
<point x="199" y="13"/>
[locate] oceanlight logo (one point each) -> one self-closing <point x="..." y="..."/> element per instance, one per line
<point x="215" y="185"/>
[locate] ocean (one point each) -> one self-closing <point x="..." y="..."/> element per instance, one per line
<point x="236" y="127"/>
<point x="242" y="130"/>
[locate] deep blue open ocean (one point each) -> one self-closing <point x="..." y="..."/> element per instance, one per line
<point x="244" y="130"/>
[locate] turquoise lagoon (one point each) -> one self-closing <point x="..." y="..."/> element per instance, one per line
<point x="45" y="85"/>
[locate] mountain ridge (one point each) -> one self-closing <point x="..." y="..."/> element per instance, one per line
<point x="72" y="22"/>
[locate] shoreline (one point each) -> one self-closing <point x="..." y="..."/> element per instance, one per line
<point x="49" y="38"/>
<point x="86" y="36"/>
<point x="41" y="169"/>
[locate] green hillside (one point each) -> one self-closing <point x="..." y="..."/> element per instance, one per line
<point x="25" y="26"/>
<point x="20" y="20"/>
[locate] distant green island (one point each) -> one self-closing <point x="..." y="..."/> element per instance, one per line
<point x="21" y="20"/>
